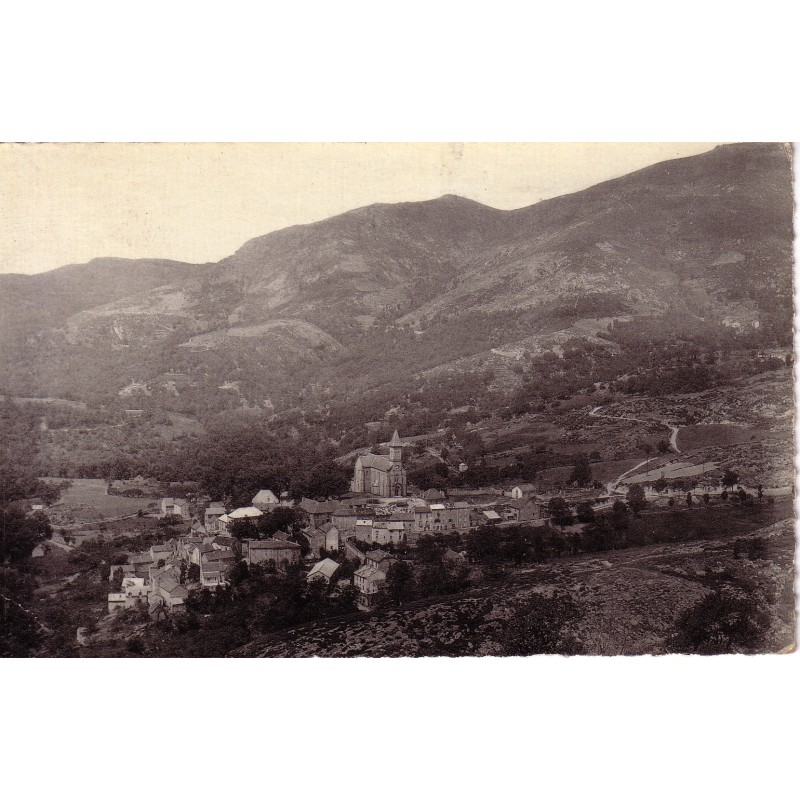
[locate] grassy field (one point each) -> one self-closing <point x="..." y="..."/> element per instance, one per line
<point x="86" y="501"/>
<point x="693" y="437"/>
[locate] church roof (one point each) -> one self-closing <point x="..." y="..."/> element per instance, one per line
<point x="381" y="463"/>
<point x="395" y="441"/>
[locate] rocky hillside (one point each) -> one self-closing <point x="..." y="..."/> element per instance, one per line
<point x="625" y="602"/>
<point x="709" y="235"/>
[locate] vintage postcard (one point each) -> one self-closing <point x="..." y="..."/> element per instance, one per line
<point x="381" y="400"/>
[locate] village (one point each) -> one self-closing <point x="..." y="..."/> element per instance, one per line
<point x="375" y="525"/>
<point x="376" y="514"/>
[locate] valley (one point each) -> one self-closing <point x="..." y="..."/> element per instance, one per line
<point x="591" y="396"/>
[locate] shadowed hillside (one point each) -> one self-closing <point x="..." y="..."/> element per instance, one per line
<point x="423" y="284"/>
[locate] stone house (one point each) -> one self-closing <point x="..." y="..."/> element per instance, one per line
<point x="262" y="551"/>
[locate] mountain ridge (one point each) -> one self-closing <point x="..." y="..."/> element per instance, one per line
<point x="709" y="235"/>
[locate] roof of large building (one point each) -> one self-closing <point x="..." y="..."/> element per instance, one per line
<point x="272" y="544"/>
<point x="378" y="556"/>
<point x="326" y="567"/>
<point x="344" y="512"/>
<point x="265" y="496"/>
<point x="216" y="506"/>
<point x="245" y="513"/>
<point x="368" y="572"/>
<point x="316" y="507"/>
<point x="381" y="463"/>
<point x="219" y="555"/>
<point x="432" y="494"/>
<point x="173" y="587"/>
<point x="521" y="503"/>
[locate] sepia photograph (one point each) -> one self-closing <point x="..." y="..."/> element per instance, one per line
<point x="396" y="400"/>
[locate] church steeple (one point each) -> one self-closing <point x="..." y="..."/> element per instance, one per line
<point x="396" y="449"/>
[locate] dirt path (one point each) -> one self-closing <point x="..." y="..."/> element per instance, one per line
<point x="673" y="439"/>
<point x="613" y="485"/>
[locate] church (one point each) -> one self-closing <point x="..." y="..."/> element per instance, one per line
<point x="379" y="475"/>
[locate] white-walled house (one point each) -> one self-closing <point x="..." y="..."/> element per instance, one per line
<point x="175" y="506"/>
<point x="265" y="500"/>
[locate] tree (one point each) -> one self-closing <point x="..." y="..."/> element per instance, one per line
<point x="19" y="628"/>
<point x="400" y="584"/>
<point x="730" y="478"/>
<point x="636" y="499"/>
<point x="663" y="446"/>
<point x="116" y="579"/>
<point x="660" y="485"/>
<point x="483" y="545"/>
<point x="743" y="496"/>
<point x="706" y="498"/>
<point x="282" y="518"/>
<point x="559" y="512"/>
<point x="516" y="545"/>
<point x="428" y="551"/>
<point x="581" y="474"/>
<point x="689" y="499"/>
<point x="193" y="573"/>
<point x="722" y="622"/>
<point x="238" y="572"/>
<point x="585" y="513"/>
<point x="619" y="516"/>
<point x="19" y="534"/>
<point x="244" y="529"/>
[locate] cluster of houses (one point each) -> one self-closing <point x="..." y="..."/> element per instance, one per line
<point x="355" y="528"/>
<point x="378" y="513"/>
<point x="162" y="575"/>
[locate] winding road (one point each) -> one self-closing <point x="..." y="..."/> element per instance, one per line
<point x="613" y="485"/>
<point x="673" y="439"/>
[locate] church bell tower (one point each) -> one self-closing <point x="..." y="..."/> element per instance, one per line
<point x="396" y="449"/>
